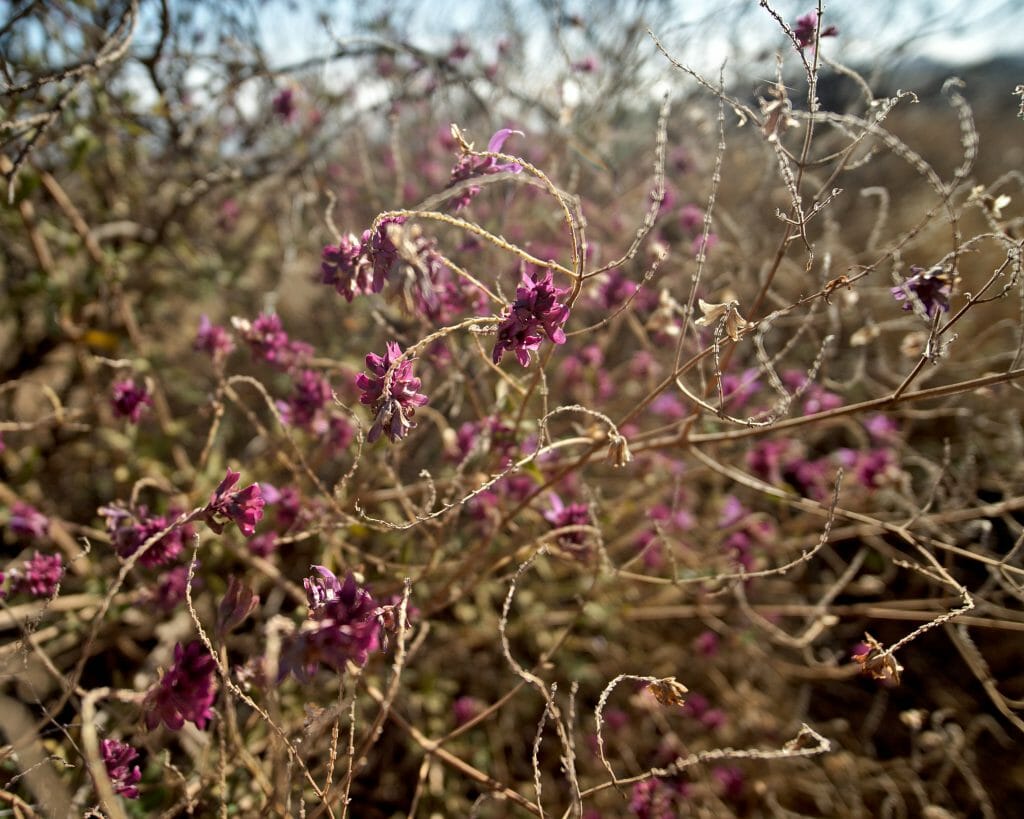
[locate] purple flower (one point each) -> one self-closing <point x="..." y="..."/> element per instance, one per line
<point x="465" y="709"/>
<point x="129" y="530"/>
<point x="691" y="218"/>
<point x="380" y="251"/>
<point x="304" y="407"/>
<point x="575" y="514"/>
<point x="186" y="692"/>
<point x="213" y="339"/>
<point x="588" y="65"/>
<point x="129" y="400"/>
<point x="39" y="576"/>
<point x="657" y="799"/>
<point x="243" y="506"/>
<point x="739" y="389"/>
<point x="340" y="434"/>
<point x="283" y="104"/>
<point x="706" y="643"/>
<point x="391" y="393"/>
<point x="931" y="288"/>
<point x="805" y="28"/>
<point x="469" y="167"/>
<point x="342" y="626"/>
<point x="729" y="780"/>
<point x="536" y="306"/>
<point x="287" y="503"/>
<point x="615" y="289"/>
<point x="227" y="218"/>
<point x="344" y="267"/>
<point x="27" y="521"/>
<point x="118" y="756"/>
<point x="170" y="588"/>
<point x="873" y="468"/>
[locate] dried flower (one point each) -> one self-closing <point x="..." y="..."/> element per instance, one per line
<point x="668" y="691"/>
<point x="930" y="288"/>
<point x="875" y="661"/>
<point x="727" y="312"/>
<point x="391" y="392"/>
<point x="117" y="757"/>
<point x="185" y="692"/>
<point x="238" y="603"/>
<point x="129" y="399"/>
<point x="243" y="506"/>
<point x="536" y="306"/>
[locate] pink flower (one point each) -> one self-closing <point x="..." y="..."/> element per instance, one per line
<point x="575" y="514"/>
<point x="469" y="167"/>
<point x="213" y="339"/>
<point x="691" y="217"/>
<point x="588" y="65"/>
<point x="806" y="27"/>
<point x="39" y="576"/>
<point x="268" y="341"/>
<point x="117" y="756"/>
<point x="536" y="307"/>
<point x="305" y="406"/>
<point x="391" y="392"/>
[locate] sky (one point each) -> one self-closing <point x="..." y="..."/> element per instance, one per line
<point x="955" y="31"/>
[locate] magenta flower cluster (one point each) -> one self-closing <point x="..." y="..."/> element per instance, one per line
<point x="342" y="626"/>
<point x="118" y="758"/>
<point x="305" y="407"/>
<point x="470" y="167"/>
<point x="355" y="266"/>
<point x="574" y="514"/>
<point x="213" y="339"/>
<point x="186" y="692"/>
<point x="38" y="576"/>
<point x="536" y="308"/>
<point x="268" y="341"/>
<point x="390" y="390"/>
